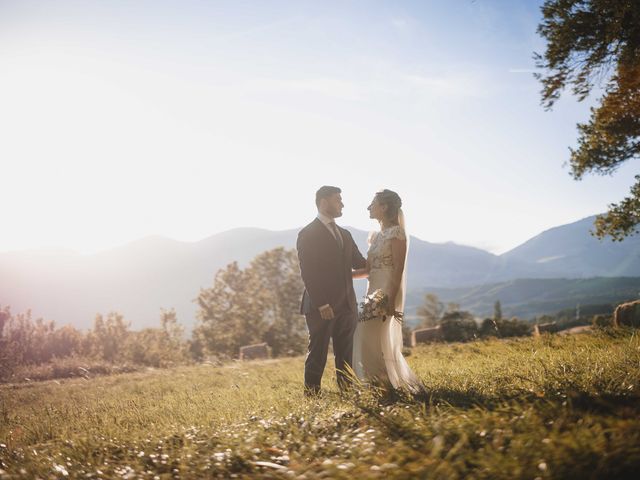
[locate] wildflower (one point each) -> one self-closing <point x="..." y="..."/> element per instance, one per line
<point x="60" y="469"/>
<point x="270" y="465"/>
<point x="375" y="306"/>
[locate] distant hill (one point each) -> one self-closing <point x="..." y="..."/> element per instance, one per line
<point x="528" y="298"/>
<point x="570" y="251"/>
<point x="139" y="278"/>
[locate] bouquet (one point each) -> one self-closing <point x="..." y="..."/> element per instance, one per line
<point x="375" y="307"/>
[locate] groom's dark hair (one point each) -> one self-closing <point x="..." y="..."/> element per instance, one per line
<point x="325" y="192"/>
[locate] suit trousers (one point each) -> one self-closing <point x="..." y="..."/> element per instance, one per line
<point x="341" y="330"/>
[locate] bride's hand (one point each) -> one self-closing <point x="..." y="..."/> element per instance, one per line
<point x="391" y="310"/>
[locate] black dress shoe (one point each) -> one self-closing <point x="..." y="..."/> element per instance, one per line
<point x="312" y="391"/>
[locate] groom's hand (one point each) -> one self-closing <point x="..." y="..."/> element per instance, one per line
<point x="326" y="312"/>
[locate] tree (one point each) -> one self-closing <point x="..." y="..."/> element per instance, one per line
<point x="4" y="318"/>
<point x="276" y="274"/>
<point x="257" y="304"/>
<point x="489" y="328"/>
<point x="589" y="41"/>
<point x="229" y="315"/>
<point x="504" y="328"/>
<point x="159" y="347"/>
<point x="6" y="359"/>
<point x="458" y="326"/>
<point x="171" y="327"/>
<point x="497" y="311"/>
<point x="24" y="341"/>
<point x="108" y="338"/>
<point x="64" y="342"/>
<point x="452" y="307"/>
<point x="431" y="311"/>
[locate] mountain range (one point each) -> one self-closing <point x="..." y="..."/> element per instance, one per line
<point x="139" y="278"/>
<point x="528" y="298"/>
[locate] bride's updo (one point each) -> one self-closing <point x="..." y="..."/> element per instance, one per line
<point x="392" y="201"/>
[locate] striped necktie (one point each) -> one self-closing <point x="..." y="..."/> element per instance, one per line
<point x="336" y="234"/>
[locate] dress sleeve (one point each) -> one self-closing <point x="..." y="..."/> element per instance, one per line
<point x="397" y="232"/>
<point x="371" y="237"/>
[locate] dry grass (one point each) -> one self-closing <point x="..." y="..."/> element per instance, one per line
<point x="553" y="407"/>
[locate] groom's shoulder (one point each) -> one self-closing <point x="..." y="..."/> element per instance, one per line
<point x="308" y="228"/>
<point x="345" y="231"/>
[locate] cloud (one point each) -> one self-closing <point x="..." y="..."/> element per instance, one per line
<point x="259" y="29"/>
<point x="329" y="87"/>
<point x="395" y="85"/>
<point x="451" y="85"/>
<point x="401" y="24"/>
<point x="522" y="70"/>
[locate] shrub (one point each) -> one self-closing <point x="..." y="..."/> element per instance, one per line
<point x="459" y="326"/>
<point x="505" y="328"/>
<point x="602" y="321"/>
<point x="514" y="328"/>
<point x="489" y="328"/>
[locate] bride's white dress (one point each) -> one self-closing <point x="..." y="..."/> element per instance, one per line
<point x="377" y="344"/>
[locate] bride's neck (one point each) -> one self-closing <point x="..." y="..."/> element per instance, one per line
<point x="384" y="224"/>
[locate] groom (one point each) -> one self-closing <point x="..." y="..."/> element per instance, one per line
<point x="327" y="255"/>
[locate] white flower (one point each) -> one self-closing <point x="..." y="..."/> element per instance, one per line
<point x="374" y="307"/>
<point x="61" y="469"/>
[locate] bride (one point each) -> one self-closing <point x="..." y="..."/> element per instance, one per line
<point x="377" y="342"/>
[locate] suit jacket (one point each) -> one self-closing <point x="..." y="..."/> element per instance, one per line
<point x="325" y="270"/>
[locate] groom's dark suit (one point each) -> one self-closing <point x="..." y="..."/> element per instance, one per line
<point x="326" y="273"/>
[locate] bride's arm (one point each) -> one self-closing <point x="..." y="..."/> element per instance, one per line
<point x="398" y="254"/>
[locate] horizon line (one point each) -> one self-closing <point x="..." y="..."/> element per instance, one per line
<point x="61" y="249"/>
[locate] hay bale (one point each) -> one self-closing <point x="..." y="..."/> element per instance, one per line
<point x="627" y="314"/>
<point x="253" y="352"/>
<point x="426" y="335"/>
<point x="544" y="327"/>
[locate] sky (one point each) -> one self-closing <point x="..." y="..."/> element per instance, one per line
<point x="123" y="119"/>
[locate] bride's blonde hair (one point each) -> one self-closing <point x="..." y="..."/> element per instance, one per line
<point x="392" y="201"/>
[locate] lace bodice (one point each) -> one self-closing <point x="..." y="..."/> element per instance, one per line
<point x="379" y="253"/>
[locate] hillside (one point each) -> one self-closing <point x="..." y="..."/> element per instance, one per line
<point x="572" y="252"/>
<point x="527" y="298"/>
<point x="141" y="277"/>
<point x="517" y="409"/>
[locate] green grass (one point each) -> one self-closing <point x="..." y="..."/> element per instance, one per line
<point x="551" y="407"/>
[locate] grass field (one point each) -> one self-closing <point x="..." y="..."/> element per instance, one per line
<point x="549" y="407"/>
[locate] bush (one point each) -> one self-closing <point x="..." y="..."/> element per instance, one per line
<point x="489" y="328"/>
<point x="514" y="328"/>
<point x="505" y="328"/>
<point x="459" y="327"/>
<point x="37" y="349"/>
<point x="154" y="347"/>
<point x="602" y="321"/>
